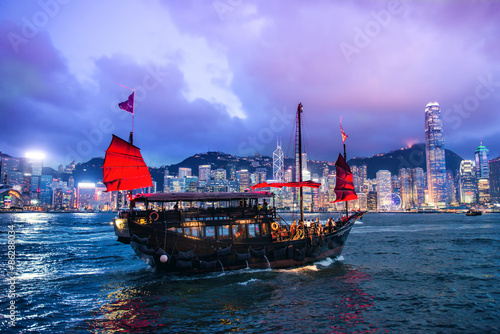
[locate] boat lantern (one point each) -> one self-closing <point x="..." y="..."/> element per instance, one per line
<point x="163" y="258"/>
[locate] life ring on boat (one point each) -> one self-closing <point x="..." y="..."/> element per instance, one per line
<point x="274" y="226"/>
<point x="154" y="216"/>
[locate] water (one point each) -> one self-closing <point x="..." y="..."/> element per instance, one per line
<point x="399" y="273"/>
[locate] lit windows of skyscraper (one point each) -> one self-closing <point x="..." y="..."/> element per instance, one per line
<point x="220" y="174"/>
<point x="482" y="167"/>
<point x="244" y="179"/>
<point x="204" y="173"/>
<point x="494" y="166"/>
<point x="184" y="172"/>
<point x="418" y="193"/>
<point x="435" y="156"/>
<point x="384" y="188"/>
<point x="482" y="174"/>
<point x="278" y="164"/>
<point x="405" y="188"/>
<point x="467" y="184"/>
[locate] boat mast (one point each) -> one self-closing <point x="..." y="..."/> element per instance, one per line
<point x="346" y="202"/>
<point x="299" y="139"/>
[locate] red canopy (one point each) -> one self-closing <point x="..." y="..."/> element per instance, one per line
<point x="310" y="184"/>
<point x="124" y="168"/>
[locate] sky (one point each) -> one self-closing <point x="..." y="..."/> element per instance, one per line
<point x="227" y="75"/>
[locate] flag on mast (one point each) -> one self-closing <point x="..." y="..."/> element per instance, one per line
<point x="344" y="136"/>
<point x="129" y="104"/>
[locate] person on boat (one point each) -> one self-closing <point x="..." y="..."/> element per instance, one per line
<point x="259" y="207"/>
<point x="329" y="225"/>
<point x="264" y="205"/>
<point x="293" y="229"/>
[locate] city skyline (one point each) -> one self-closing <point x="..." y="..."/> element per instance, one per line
<point x="227" y="76"/>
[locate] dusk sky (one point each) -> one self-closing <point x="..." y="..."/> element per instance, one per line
<point x="227" y="75"/>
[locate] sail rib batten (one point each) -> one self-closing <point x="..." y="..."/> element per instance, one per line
<point x="124" y="168"/>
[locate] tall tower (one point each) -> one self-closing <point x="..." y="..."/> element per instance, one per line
<point x="278" y="163"/>
<point x="384" y="188"/>
<point x="482" y="167"/>
<point x="435" y="156"/>
<point x="468" y="184"/>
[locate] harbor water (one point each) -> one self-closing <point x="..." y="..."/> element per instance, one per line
<point x="399" y="273"/>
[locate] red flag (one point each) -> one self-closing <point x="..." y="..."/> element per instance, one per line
<point x="344" y="136"/>
<point x="129" y="104"/>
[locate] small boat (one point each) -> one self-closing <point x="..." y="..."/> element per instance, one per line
<point x="471" y="212"/>
<point x="193" y="233"/>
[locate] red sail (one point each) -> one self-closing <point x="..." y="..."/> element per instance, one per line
<point x="344" y="186"/>
<point x="124" y="168"/>
<point x="310" y="184"/>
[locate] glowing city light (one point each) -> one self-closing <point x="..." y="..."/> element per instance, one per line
<point x="35" y="155"/>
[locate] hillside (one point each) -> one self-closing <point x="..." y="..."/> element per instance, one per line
<point x="410" y="157"/>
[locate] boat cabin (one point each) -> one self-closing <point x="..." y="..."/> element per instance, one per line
<point x="213" y="216"/>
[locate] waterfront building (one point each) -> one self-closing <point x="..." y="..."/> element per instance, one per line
<point x="494" y="169"/>
<point x="204" y="172"/>
<point x="9" y="165"/>
<point x="418" y="186"/>
<point x="384" y="188"/>
<point x="46" y="191"/>
<point x="184" y="172"/>
<point x="467" y="183"/>
<point x="220" y="174"/>
<point x="371" y="201"/>
<point x="278" y="164"/>
<point x="243" y="179"/>
<point x="405" y="188"/>
<point x="483" y="190"/>
<point x="482" y="166"/>
<point x="435" y="156"/>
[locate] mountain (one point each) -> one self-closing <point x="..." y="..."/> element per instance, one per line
<point x="410" y="157"/>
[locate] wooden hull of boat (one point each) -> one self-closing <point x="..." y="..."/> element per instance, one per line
<point x="190" y="255"/>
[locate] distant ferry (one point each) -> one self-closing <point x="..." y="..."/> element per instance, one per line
<point x="471" y="212"/>
<point x="208" y="232"/>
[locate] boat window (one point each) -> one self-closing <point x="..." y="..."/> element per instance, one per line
<point x="192" y="231"/>
<point x="209" y="232"/>
<point x="264" y="229"/>
<point x="178" y="230"/>
<point x="223" y="231"/>
<point x="239" y="231"/>
<point x="253" y="230"/>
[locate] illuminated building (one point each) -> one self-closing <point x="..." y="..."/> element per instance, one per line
<point x="184" y="172"/>
<point x="418" y="186"/>
<point x="482" y="166"/>
<point x="435" y="156"/>
<point x="494" y="169"/>
<point x="467" y="183"/>
<point x="220" y="174"/>
<point x="405" y="188"/>
<point x="383" y="187"/>
<point x="204" y="173"/>
<point x="244" y="179"/>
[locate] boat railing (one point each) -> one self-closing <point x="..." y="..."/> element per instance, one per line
<point x="203" y="214"/>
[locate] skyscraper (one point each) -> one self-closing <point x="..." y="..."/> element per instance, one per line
<point x="184" y="172"/>
<point x="482" y="167"/>
<point x="204" y="172"/>
<point x="384" y="188"/>
<point x="435" y="156"/>
<point x="278" y="164"/>
<point x="494" y="166"/>
<point x="482" y="173"/>
<point x="468" y="184"/>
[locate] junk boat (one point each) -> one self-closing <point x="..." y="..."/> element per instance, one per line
<point x="208" y="232"/>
